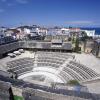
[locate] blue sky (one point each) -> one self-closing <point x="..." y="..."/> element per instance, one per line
<point x="50" y="12"/>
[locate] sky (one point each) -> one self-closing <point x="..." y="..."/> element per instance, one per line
<point x="81" y="13"/>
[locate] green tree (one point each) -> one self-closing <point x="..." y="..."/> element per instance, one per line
<point x="77" y="44"/>
<point x="73" y="82"/>
<point x="84" y="39"/>
<point x="73" y="40"/>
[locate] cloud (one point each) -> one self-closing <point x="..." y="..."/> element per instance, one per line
<point x="1" y="10"/>
<point x="22" y="1"/>
<point x="80" y="22"/>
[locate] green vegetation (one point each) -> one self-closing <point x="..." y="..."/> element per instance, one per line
<point x="69" y="39"/>
<point x="77" y="45"/>
<point x="18" y="98"/>
<point x="84" y="39"/>
<point x="76" y="42"/>
<point x="73" y="40"/>
<point x="73" y="82"/>
<point x="77" y="48"/>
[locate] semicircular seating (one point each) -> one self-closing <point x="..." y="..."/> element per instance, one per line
<point x="78" y="71"/>
<point x="63" y="63"/>
<point x="20" y="66"/>
<point x="51" y="59"/>
<point x="89" y="71"/>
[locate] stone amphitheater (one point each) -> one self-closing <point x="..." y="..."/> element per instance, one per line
<point x="47" y="67"/>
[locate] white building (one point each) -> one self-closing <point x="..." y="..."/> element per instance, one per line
<point x="55" y="31"/>
<point x="38" y="30"/>
<point x="42" y="31"/>
<point x="66" y="31"/>
<point x="26" y="31"/>
<point x="70" y="31"/>
<point x="90" y="33"/>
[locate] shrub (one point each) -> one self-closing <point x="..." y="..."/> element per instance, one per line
<point x="73" y="82"/>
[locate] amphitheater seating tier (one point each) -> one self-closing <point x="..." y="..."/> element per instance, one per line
<point x="67" y="68"/>
<point x="21" y="65"/>
<point x="89" y="71"/>
<point x="53" y="59"/>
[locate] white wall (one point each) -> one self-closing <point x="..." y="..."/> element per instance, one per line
<point x="90" y="32"/>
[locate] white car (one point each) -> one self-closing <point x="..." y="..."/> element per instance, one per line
<point x="11" y="55"/>
<point x="17" y="53"/>
<point x="21" y="50"/>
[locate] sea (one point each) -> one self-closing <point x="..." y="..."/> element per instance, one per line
<point x="97" y="30"/>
